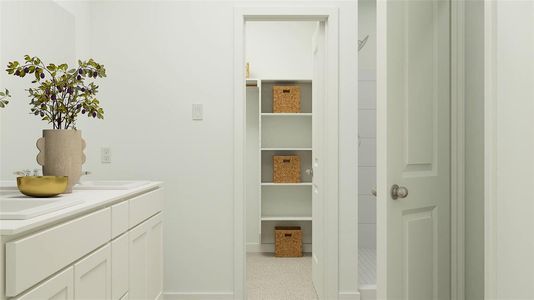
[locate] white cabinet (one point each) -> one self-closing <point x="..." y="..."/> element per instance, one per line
<point x="33" y="258"/>
<point x="59" y="287"/>
<point x="145" y="266"/>
<point x="113" y="253"/>
<point x="92" y="276"/>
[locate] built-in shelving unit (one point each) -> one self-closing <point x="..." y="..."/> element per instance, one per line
<point x="282" y="134"/>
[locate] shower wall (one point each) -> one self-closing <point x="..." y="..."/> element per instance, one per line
<point x="367" y="125"/>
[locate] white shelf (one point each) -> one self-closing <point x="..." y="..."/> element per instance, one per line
<point x="289" y="218"/>
<point x="286" y="114"/>
<point x="286" y="149"/>
<point x="283" y="80"/>
<point x="286" y="184"/>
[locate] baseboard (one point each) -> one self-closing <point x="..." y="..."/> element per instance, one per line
<point x="198" y="296"/>
<point x="368" y="292"/>
<point x="270" y="247"/>
<point x="349" y="296"/>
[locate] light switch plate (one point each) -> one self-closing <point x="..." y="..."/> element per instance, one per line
<point x="198" y="112"/>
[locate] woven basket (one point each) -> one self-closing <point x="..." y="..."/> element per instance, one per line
<point x="288" y="241"/>
<point x="286" y="99"/>
<point x="286" y="168"/>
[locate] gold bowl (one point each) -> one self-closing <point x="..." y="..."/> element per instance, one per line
<point x="42" y="186"/>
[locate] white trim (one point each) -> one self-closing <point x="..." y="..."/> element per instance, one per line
<point x="457" y="150"/>
<point x="331" y="239"/>
<point x="269" y="248"/>
<point x="349" y="296"/>
<point x="490" y="146"/>
<point x="239" y="151"/>
<point x="198" y="296"/>
<point x="381" y="150"/>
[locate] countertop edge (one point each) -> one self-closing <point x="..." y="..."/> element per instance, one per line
<point x="74" y="211"/>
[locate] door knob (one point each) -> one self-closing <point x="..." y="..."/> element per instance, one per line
<point x="373" y="192"/>
<point x="398" y="192"/>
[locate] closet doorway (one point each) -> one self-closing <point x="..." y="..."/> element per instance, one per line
<point x="264" y="133"/>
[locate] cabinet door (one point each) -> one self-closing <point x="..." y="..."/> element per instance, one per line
<point x="59" y="287"/>
<point x="119" y="267"/>
<point x="145" y="267"/>
<point x="92" y="276"/>
<point x="155" y="257"/>
<point x="138" y="262"/>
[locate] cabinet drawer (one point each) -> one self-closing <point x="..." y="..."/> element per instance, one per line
<point x="119" y="219"/>
<point x="145" y="206"/>
<point x="61" y="286"/>
<point x="35" y="257"/>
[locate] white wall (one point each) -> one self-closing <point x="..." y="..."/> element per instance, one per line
<point x="41" y="29"/>
<point x="509" y="150"/>
<point x="280" y="49"/>
<point x="474" y="150"/>
<point x="161" y="57"/>
<point x="367" y="125"/>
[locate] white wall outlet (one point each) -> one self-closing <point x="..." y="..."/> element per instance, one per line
<point x="198" y="112"/>
<point x="105" y="155"/>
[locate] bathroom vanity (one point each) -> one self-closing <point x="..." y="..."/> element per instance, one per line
<point x="108" y="246"/>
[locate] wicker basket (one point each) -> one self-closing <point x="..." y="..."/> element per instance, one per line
<point x="288" y="241"/>
<point x="286" y="168"/>
<point x="286" y="99"/>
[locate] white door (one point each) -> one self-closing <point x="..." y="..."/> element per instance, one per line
<point x="413" y="143"/>
<point x="59" y="287"/>
<point x="317" y="182"/>
<point x="92" y="276"/>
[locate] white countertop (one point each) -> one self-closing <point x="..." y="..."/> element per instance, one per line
<point x="89" y="199"/>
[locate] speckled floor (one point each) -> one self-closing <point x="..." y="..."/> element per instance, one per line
<point x="273" y="278"/>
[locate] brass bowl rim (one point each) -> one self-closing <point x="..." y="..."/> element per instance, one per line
<point x="43" y="176"/>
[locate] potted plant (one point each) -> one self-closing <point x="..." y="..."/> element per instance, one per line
<point x="59" y="96"/>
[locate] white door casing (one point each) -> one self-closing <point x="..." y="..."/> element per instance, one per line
<point x="317" y="138"/>
<point x="413" y="149"/>
<point x="331" y="144"/>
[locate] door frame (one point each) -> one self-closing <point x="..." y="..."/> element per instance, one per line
<point x="457" y="176"/>
<point x="328" y="15"/>
<point x="458" y="149"/>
